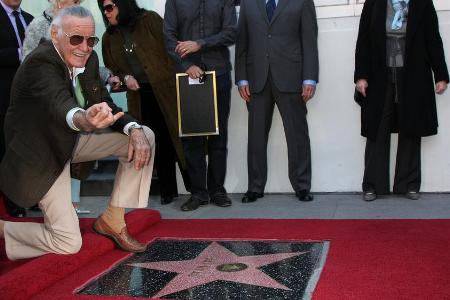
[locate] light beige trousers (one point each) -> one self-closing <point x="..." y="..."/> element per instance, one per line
<point x="60" y="232"/>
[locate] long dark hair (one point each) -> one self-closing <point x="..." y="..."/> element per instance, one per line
<point x="128" y="12"/>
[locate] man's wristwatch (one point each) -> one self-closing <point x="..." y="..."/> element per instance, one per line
<point x="133" y="126"/>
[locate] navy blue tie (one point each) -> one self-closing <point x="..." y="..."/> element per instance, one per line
<point x="19" y="25"/>
<point x="270" y="8"/>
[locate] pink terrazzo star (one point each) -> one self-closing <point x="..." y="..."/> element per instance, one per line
<point x="218" y="263"/>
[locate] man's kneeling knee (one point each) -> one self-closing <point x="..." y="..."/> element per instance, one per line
<point x="68" y="245"/>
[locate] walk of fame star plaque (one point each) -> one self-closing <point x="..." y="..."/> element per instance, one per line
<point x="216" y="269"/>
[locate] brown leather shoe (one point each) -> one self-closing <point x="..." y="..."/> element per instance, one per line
<point x="123" y="239"/>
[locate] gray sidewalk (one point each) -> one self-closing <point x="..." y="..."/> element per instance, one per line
<point x="286" y="206"/>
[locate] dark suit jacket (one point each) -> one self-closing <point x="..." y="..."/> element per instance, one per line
<point x="287" y="45"/>
<point x="424" y="56"/>
<point x="39" y="141"/>
<point x="9" y="58"/>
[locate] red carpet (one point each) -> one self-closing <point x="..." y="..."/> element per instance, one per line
<point x="368" y="259"/>
<point x="42" y="272"/>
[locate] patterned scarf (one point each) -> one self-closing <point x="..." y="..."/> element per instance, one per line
<point x="400" y="8"/>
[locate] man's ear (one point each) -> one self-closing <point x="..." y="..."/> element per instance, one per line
<point x="54" y="34"/>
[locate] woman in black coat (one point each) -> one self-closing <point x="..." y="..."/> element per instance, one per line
<point x="133" y="48"/>
<point x="398" y="51"/>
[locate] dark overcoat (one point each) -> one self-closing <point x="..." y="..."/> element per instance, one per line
<point x="424" y="55"/>
<point x="148" y="40"/>
<point x="39" y="142"/>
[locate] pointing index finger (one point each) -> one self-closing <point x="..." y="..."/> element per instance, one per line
<point x="118" y="116"/>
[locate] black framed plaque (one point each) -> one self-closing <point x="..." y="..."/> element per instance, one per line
<point x="197" y="105"/>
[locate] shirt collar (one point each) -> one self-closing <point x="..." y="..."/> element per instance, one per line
<point x="8" y="9"/>
<point x="74" y="72"/>
<point x="78" y="71"/>
<point x="276" y="2"/>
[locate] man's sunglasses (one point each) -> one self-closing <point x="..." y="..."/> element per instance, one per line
<point x="108" y="8"/>
<point x="77" y="39"/>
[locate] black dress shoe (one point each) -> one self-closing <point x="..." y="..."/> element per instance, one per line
<point x="166" y="199"/>
<point x="250" y="197"/>
<point x="369" y="196"/>
<point x="221" y="199"/>
<point x="193" y="203"/>
<point x="304" y="196"/>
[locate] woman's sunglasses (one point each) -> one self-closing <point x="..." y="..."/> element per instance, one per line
<point x="77" y="39"/>
<point x="108" y="8"/>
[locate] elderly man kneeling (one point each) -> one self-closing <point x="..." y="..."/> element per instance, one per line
<point x="60" y="114"/>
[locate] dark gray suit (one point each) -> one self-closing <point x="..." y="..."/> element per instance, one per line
<point x="275" y="57"/>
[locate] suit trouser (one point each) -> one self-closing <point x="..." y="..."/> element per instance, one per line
<point x="210" y="179"/>
<point x="293" y="113"/>
<point x="60" y="232"/>
<point x="377" y="154"/>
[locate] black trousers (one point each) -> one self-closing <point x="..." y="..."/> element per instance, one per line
<point x="165" y="154"/>
<point x="377" y="155"/>
<point x="209" y="178"/>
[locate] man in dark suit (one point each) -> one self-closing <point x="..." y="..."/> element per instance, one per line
<point x="60" y="113"/>
<point x="13" y="22"/>
<point x="277" y="62"/>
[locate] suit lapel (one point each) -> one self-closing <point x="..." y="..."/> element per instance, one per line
<point x="262" y="7"/>
<point x="90" y="88"/>
<point x="90" y="85"/>
<point x="4" y="19"/>
<point x="281" y="5"/>
<point x="52" y="51"/>
<point x="50" y="46"/>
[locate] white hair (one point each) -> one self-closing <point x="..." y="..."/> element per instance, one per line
<point x="72" y="11"/>
<point x="54" y="1"/>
